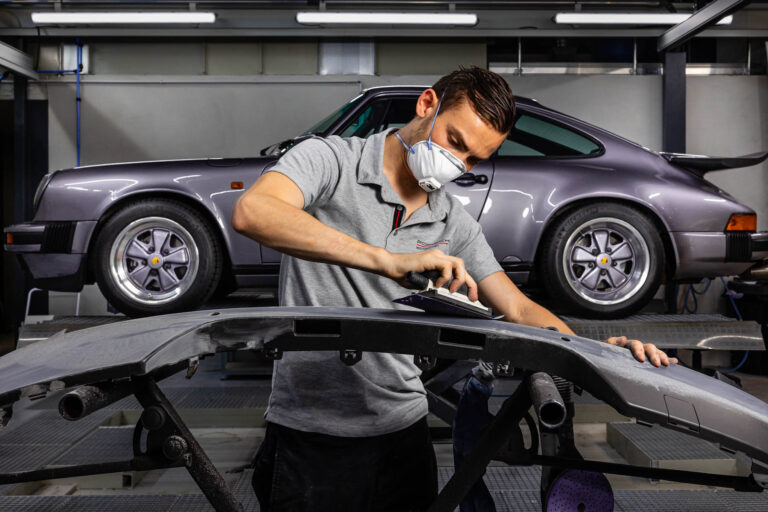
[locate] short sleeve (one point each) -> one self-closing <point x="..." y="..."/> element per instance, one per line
<point x="477" y="254"/>
<point x="314" y="167"/>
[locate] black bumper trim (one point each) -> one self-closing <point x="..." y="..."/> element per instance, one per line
<point x="256" y="270"/>
<point x="58" y="237"/>
<point x="738" y="246"/>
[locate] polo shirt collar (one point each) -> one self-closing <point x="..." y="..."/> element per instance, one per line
<point x="373" y="151"/>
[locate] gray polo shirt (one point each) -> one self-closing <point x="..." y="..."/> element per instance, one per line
<point x="344" y="186"/>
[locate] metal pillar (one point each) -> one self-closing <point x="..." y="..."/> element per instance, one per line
<point x="673" y="104"/>
<point x="20" y="186"/>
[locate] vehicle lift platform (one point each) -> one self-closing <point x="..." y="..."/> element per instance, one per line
<point x="513" y="487"/>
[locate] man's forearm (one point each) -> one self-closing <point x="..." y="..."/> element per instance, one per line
<point x="535" y="315"/>
<point x="277" y="224"/>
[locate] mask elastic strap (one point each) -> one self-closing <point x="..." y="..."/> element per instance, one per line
<point x="429" y="139"/>
<point x="409" y="148"/>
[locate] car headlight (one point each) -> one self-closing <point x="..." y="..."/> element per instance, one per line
<point x="40" y="189"/>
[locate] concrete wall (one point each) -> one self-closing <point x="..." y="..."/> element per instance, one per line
<point x="224" y="99"/>
<point x="163" y="120"/>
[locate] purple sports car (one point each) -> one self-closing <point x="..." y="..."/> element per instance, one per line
<point x="597" y="221"/>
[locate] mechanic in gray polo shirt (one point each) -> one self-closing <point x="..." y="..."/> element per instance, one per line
<point x="352" y="217"/>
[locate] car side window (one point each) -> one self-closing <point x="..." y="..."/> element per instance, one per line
<point x="533" y="136"/>
<point x="381" y="115"/>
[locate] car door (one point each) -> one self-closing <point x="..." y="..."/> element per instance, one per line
<point x="533" y="167"/>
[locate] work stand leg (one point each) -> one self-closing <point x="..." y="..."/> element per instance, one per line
<point x="169" y="436"/>
<point x="501" y="440"/>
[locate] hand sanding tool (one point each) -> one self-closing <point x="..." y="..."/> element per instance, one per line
<point x="441" y="301"/>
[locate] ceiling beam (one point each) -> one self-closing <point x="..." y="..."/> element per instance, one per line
<point x="16" y="61"/>
<point x="700" y="20"/>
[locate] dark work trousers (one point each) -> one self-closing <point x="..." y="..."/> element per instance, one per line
<point x="471" y="417"/>
<point x="297" y="471"/>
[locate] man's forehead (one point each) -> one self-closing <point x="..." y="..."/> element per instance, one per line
<point x="476" y="133"/>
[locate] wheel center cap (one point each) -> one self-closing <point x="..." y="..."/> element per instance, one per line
<point x="156" y="262"/>
<point x="603" y="261"/>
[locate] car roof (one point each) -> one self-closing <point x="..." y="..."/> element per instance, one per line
<point x="371" y="91"/>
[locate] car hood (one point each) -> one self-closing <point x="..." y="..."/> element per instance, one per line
<point x="194" y="163"/>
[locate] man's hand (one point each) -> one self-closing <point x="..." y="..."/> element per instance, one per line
<point x="449" y="267"/>
<point x="642" y="350"/>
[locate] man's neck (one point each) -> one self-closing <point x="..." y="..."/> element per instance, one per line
<point x="400" y="176"/>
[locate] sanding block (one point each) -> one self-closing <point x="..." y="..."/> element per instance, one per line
<point x="441" y="301"/>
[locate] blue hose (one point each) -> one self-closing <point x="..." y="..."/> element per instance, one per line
<point x="57" y="71"/>
<point x="78" y="98"/>
<point x="691" y="289"/>
<point x="738" y="315"/>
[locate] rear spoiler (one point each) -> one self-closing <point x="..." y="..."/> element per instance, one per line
<point x="701" y="164"/>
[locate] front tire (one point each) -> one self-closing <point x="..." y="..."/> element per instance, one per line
<point x="157" y="256"/>
<point x="602" y="260"/>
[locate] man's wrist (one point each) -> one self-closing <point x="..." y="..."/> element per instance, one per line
<point x="382" y="261"/>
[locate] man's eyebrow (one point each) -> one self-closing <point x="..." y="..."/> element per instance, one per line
<point x="461" y="144"/>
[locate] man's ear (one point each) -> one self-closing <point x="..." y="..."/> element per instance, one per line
<point x="427" y="103"/>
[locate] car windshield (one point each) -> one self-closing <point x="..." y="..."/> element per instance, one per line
<point x="326" y="123"/>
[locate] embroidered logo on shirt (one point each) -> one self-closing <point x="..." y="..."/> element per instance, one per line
<point x="436" y="245"/>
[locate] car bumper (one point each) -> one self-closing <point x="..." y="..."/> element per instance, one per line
<point x="54" y="253"/>
<point x="718" y="254"/>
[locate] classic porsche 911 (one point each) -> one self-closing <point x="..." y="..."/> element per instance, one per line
<point x="597" y="221"/>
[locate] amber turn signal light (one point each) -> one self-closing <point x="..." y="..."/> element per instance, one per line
<point x="742" y="222"/>
<point x="9" y="238"/>
<point x="237" y="185"/>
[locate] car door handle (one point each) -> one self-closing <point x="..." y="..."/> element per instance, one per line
<point x="468" y="179"/>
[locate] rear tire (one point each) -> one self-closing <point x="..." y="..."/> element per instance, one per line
<point x="602" y="260"/>
<point x="157" y="256"/>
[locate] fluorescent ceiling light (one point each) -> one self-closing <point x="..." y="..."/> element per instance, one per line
<point x="595" y="18"/>
<point x="385" y="18"/>
<point x="97" y="18"/>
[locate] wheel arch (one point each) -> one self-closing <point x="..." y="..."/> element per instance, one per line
<point x="182" y="198"/>
<point x="670" y="251"/>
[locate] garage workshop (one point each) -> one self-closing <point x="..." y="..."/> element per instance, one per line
<point x="392" y="256"/>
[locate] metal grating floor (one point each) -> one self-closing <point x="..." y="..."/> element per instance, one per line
<point x="517" y="501"/>
<point x="659" y="443"/>
<point x="193" y="503"/>
<point x="34" y="503"/>
<point x="506" y="501"/>
<point x="690" y="501"/>
<point x="118" y="504"/>
<point x="49" y="428"/>
<point x="501" y="478"/>
<point x="105" y="444"/>
<point x="21" y="457"/>
<point x="41" y="440"/>
<point x="224" y="398"/>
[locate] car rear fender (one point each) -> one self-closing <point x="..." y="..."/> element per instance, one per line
<point x="670" y="249"/>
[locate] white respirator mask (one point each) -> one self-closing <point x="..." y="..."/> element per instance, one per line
<point x="432" y="165"/>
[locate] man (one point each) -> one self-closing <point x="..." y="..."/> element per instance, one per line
<point x="351" y="216"/>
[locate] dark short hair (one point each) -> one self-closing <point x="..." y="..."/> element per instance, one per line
<point x="487" y="92"/>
